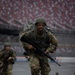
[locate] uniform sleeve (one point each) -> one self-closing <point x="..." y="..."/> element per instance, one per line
<point x="14" y="54"/>
<point x="25" y="45"/>
<point x="53" y="43"/>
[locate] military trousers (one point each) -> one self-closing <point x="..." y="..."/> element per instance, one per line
<point x="7" y="69"/>
<point x="39" y="65"/>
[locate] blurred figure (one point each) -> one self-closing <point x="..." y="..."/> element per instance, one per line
<point x="7" y="58"/>
<point x="1" y="67"/>
<point x="46" y="41"/>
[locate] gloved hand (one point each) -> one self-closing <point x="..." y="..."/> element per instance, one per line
<point x="10" y="58"/>
<point x="30" y="47"/>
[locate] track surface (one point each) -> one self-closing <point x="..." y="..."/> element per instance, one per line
<point x="22" y="68"/>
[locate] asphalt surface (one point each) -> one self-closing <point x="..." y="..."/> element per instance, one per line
<point x="22" y="68"/>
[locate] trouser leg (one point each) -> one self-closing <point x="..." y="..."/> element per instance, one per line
<point x="34" y="65"/>
<point x="9" y="69"/>
<point x="45" y="67"/>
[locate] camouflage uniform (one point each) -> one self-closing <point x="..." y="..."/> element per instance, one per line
<point x="47" y="41"/>
<point x="7" y="64"/>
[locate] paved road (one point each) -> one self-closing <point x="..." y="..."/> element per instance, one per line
<point x="22" y="68"/>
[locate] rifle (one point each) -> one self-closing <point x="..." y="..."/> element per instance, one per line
<point x="38" y="51"/>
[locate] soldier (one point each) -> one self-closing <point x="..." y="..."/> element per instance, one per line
<point x="7" y="57"/>
<point x="46" y="41"/>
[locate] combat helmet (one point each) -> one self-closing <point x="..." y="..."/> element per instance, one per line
<point x="7" y="44"/>
<point x="40" y="20"/>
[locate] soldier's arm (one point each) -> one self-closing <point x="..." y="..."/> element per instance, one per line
<point x="14" y="54"/>
<point x="25" y="45"/>
<point x="12" y="58"/>
<point x="53" y="43"/>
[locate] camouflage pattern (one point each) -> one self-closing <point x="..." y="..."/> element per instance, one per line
<point x="39" y="65"/>
<point x="47" y="41"/>
<point x="7" y="64"/>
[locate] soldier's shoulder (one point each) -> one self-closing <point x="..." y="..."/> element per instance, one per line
<point x="29" y="32"/>
<point x="49" y="33"/>
<point x="23" y="33"/>
<point x="12" y="50"/>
